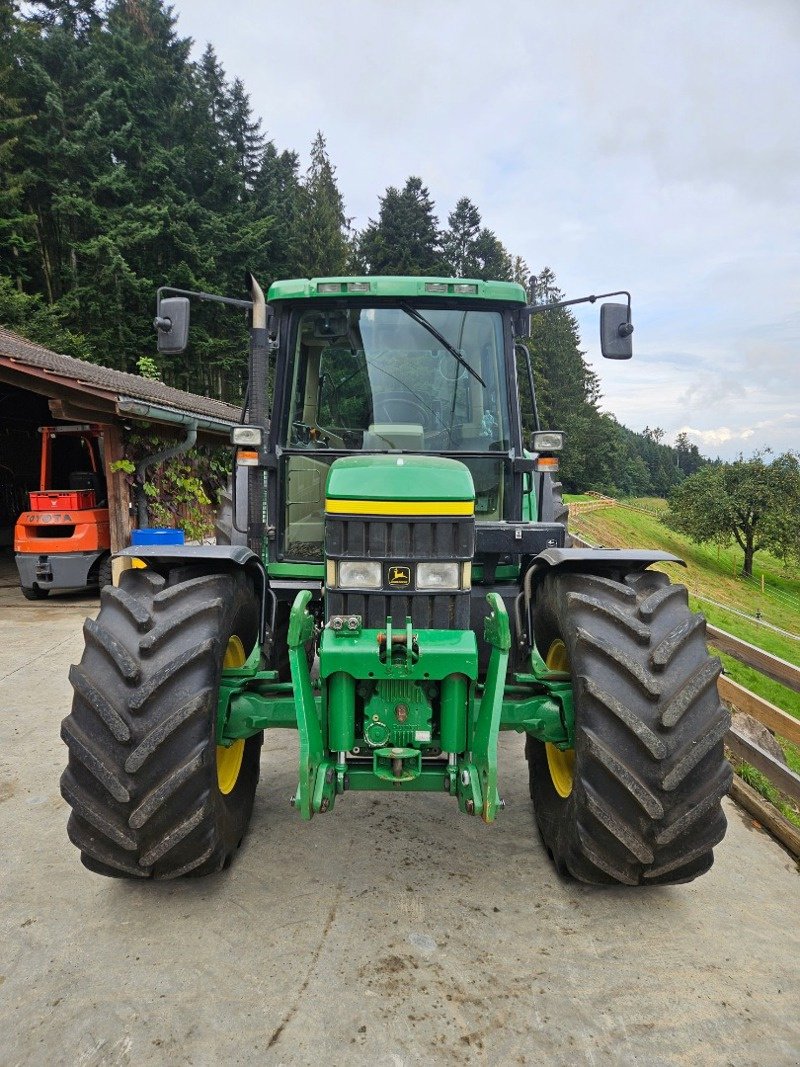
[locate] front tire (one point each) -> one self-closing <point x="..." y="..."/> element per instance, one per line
<point x="34" y="592"/>
<point x="151" y="794"/>
<point x="638" y="801"/>
<point x="105" y="575"/>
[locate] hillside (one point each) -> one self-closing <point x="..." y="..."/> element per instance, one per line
<point x="769" y="619"/>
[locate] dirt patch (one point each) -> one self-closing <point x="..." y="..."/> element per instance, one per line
<point x="7" y="790"/>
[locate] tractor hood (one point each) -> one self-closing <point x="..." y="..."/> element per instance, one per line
<point x="405" y="479"/>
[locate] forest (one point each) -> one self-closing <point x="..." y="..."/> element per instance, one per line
<point x="126" y="164"/>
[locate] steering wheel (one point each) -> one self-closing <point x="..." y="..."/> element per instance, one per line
<point x="306" y="436"/>
<point x="400" y="407"/>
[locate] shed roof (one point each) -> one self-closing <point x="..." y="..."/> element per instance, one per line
<point x="64" y="377"/>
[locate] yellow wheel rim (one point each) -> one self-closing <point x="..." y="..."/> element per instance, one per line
<point x="560" y="764"/>
<point x="229" y="760"/>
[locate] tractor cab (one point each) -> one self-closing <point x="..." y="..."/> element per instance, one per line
<point x="390" y="374"/>
<point x="419" y="374"/>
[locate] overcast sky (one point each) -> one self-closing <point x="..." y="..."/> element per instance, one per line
<point x="650" y="146"/>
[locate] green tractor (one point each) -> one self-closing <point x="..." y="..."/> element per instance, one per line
<point x="388" y="522"/>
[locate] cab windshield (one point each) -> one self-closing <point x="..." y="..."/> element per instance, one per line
<point x="376" y="379"/>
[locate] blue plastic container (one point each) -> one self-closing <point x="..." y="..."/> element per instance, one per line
<point x="158" y="535"/>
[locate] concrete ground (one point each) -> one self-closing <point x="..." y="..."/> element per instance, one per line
<point x="393" y="931"/>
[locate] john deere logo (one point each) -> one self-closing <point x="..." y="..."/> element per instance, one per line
<point x="399" y="575"/>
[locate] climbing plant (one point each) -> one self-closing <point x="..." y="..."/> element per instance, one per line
<point x="181" y="492"/>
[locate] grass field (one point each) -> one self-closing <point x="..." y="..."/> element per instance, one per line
<point x="714" y="574"/>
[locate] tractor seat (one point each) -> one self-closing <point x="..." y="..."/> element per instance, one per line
<point x="409" y="436"/>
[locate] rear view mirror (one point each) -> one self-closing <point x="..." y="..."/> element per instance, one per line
<point x="615" y="331"/>
<point x="172" y="324"/>
<point x="521" y="322"/>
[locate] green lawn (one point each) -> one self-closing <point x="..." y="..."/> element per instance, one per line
<point x="647" y="503"/>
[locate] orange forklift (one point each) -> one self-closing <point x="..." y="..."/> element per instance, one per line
<point x="63" y="541"/>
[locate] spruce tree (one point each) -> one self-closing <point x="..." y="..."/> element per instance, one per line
<point x="568" y="393"/>
<point x="17" y="222"/>
<point x="273" y="232"/>
<point x="47" y="74"/>
<point x="405" y="239"/>
<point x="142" y="219"/>
<point x="471" y="250"/>
<point x="458" y="241"/>
<point x="490" y="258"/>
<point x="324" y="248"/>
<point x="244" y="134"/>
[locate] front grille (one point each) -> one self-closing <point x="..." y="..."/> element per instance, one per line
<point x="401" y="542"/>
<point x="415" y="539"/>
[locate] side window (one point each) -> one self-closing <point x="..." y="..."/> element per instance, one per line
<point x="344" y="391"/>
<point x="298" y="387"/>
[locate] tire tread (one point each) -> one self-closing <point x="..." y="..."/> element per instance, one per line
<point x="650" y="771"/>
<point x="141" y="778"/>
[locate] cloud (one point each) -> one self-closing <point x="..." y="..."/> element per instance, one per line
<point x="711" y="391"/>
<point x="722" y="435"/>
<point x="651" y="147"/>
<point x="695" y="101"/>
<point x="719" y="436"/>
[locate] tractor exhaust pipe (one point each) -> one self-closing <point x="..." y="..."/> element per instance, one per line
<point x="259" y="415"/>
<point x="259" y="356"/>
<point x="259" y="304"/>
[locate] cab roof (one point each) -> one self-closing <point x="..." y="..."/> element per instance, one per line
<point x="396" y="286"/>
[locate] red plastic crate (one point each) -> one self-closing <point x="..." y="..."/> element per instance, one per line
<point x="63" y="500"/>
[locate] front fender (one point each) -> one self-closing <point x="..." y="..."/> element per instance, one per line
<point x="592" y="561"/>
<point x="173" y="554"/>
<point x="163" y="558"/>
<point x="587" y="561"/>
<point x="605" y="558"/>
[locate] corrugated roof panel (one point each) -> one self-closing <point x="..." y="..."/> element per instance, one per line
<point x="89" y="375"/>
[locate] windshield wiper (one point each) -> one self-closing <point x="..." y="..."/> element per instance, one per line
<point x="415" y="315"/>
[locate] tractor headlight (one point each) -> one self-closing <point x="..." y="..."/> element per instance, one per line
<point x="249" y="436"/>
<point x="438" y="576"/>
<point x="548" y="441"/>
<point x="360" y="574"/>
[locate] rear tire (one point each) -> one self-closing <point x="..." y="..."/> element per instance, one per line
<point x="224" y="531"/>
<point x="560" y="509"/>
<point x="142" y="778"/>
<point x="641" y="804"/>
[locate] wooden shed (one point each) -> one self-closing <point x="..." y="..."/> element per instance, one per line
<point x="38" y="387"/>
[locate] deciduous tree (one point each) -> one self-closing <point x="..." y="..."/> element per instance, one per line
<point x="751" y="501"/>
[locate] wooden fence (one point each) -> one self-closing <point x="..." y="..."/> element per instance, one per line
<point x="743" y="748"/>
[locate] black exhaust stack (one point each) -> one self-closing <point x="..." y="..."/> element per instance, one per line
<point x="259" y="413"/>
